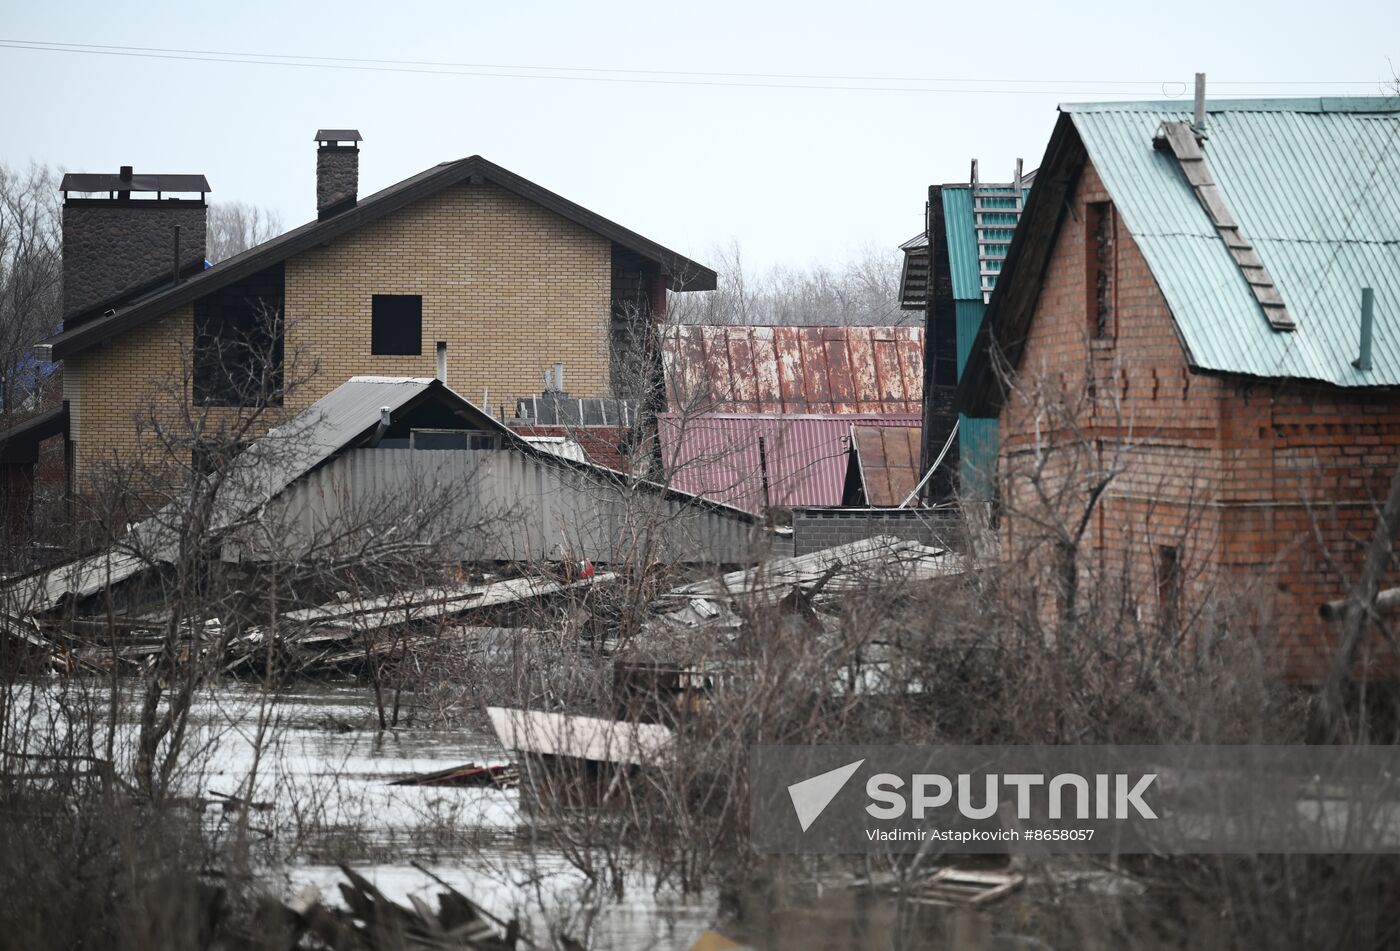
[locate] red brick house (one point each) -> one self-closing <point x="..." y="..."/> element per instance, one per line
<point x="1183" y="304"/>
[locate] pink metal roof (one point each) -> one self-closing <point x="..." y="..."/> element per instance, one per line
<point x="842" y="370"/>
<point x="717" y="455"/>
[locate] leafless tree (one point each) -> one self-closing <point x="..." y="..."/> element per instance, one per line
<point x="236" y="226"/>
<point x="864" y="291"/>
<point x="30" y="280"/>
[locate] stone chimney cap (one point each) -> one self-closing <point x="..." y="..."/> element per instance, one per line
<point x="339" y="135"/>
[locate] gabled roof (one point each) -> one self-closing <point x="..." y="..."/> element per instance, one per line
<point x="1311" y="182"/>
<point x="804" y="458"/>
<point x="684" y="274"/>
<point x="345" y="418"/>
<point x="748" y="369"/>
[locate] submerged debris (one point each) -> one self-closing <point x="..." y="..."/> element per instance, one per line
<point x="844" y="569"/>
<point x="501" y="776"/>
<point x="371" y="922"/>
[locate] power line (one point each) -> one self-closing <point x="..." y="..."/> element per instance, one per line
<point x="832" y="77"/>
<point x="819" y="82"/>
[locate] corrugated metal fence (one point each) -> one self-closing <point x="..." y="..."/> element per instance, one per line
<point x="502" y="505"/>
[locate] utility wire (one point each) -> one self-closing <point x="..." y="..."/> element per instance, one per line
<point x="830" y="83"/>
<point x="44" y="44"/>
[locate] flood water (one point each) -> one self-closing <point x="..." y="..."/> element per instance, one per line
<point x="325" y="771"/>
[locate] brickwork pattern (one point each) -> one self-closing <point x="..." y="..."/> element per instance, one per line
<point x="512" y="289"/>
<point x="1266" y="489"/>
<point x="818" y="529"/>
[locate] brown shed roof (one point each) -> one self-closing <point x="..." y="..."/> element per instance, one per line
<point x="684" y="274"/>
<point x="889" y="462"/>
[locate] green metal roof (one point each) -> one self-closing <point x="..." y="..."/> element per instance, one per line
<point x="962" y="242"/>
<point x="1315" y="186"/>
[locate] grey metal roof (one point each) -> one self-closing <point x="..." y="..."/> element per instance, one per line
<point x="329" y="425"/>
<point x="1314" y="183"/>
<point x="253" y="478"/>
<point x="113" y="182"/>
<point x="338" y="421"/>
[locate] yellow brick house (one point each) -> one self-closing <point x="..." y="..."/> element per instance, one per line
<point x="465" y="268"/>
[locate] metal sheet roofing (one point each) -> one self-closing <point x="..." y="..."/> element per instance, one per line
<point x="1313" y="183"/>
<point x="746" y="369"/>
<point x="962" y="242"/>
<point x="337" y="421"/>
<point x="255" y="476"/>
<point x="588" y="738"/>
<point x="113" y="182"/>
<point x="889" y="462"/>
<point x="716" y="455"/>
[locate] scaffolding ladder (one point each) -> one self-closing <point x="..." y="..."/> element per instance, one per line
<point x="996" y="208"/>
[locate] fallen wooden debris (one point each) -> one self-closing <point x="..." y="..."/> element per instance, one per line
<point x="833" y="571"/>
<point x="336" y="635"/>
<point x="372" y="922"/>
<point x="427" y="603"/>
<point x="960" y="886"/>
<point x="501" y="776"/>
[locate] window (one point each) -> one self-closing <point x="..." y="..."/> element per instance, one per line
<point x="396" y="325"/>
<point x="1168" y="585"/>
<point x="238" y="341"/>
<point x="1098" y="261"/>
<point x="452" y="439"/>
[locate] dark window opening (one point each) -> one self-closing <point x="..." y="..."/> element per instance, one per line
<point x="452" y="439"/>
<point x="212" y="455"/>
<point x="396" y="325"/>
<point x="1168" y="584"/>
<point x="1098" y="258"/>
<point x="636" y="371"/>
<point x="238" y="342"/>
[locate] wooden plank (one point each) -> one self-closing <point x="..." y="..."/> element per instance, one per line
<point x="1215" y="206"/>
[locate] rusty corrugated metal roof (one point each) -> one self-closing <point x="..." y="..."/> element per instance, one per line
<point x="716" y="455"/>
<point x="889" y="462"/>
<point x="836" y="370"/>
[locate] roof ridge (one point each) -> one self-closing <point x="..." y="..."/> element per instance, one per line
<point x="1300" y="104"/>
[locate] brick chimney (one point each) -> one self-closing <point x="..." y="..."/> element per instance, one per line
<point x="337" y="170"/>
<point x="125" y="234"/>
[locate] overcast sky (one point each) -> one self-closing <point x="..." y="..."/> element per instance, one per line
<point x="796" y="176"/>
